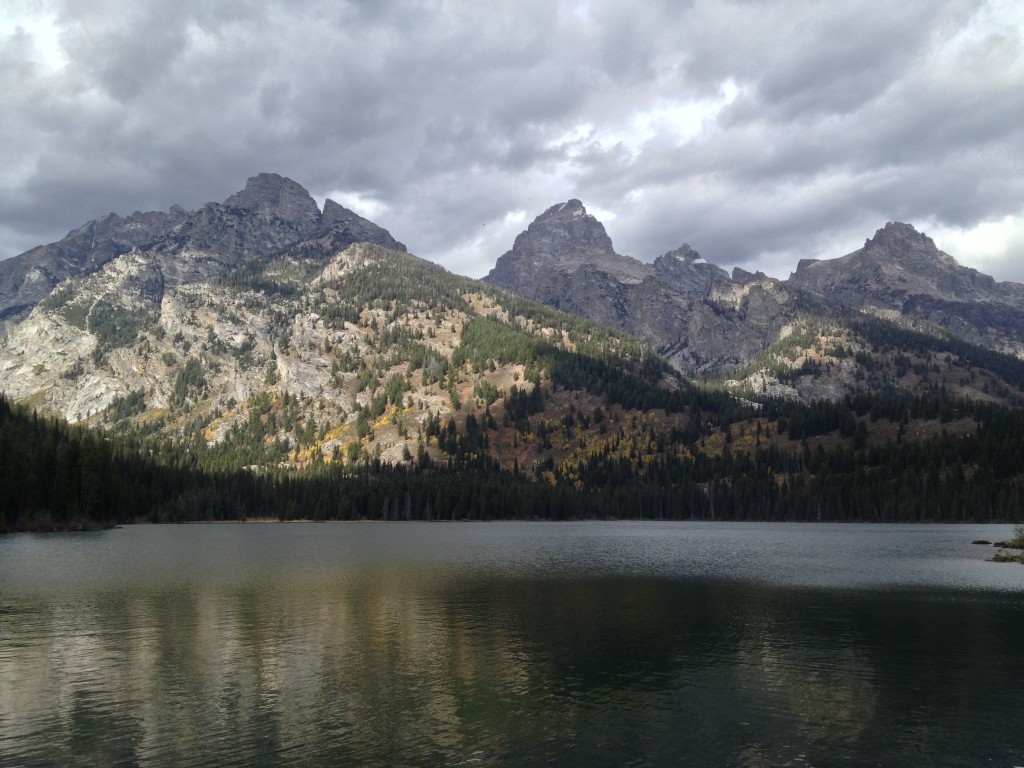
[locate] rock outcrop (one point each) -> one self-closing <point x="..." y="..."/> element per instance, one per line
<point x="27" y="279"/>
<point x="687" y="272"/>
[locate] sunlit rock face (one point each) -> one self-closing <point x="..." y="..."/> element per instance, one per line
<point x="121" y="304"/>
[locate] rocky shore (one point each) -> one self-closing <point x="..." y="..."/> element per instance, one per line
<point x="1011" y="551"/>
<point x="1008" y="556"/>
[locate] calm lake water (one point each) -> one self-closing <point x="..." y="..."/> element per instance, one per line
<point x="511" y="644"/>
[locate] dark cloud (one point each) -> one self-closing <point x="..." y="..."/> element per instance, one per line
<point x="759" y="132"/>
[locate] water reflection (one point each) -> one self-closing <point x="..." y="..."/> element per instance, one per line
<point x="444" y="664"/>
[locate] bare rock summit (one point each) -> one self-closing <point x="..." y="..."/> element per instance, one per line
<point x="270" y="214"/>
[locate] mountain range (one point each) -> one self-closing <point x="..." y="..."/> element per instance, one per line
<point x="812" y="336"/>
<point x="270" y="215"/>
<point x="708" y="323"/>
<point x="320" y="323"/>
<point x="264" y="334"/>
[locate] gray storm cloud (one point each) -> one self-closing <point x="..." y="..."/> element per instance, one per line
<point x="759" y="132"/>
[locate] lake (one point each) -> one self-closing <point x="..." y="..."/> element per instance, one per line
<point x="512" y="644"/>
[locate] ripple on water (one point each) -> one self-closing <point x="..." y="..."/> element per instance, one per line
<point x="602" y="644"/>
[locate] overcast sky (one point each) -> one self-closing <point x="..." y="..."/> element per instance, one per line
<point x="758" y="132"/>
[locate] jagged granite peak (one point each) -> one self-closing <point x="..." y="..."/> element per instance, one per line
<point x="901" y="235"/>
<point x="743" y="276"/>
<point x="684" y="253"/>
<point x="270" y="194"/>
<point x="902" y="241"/>
<point x="270" y="214"/>
<point x="682" y="305"/>
<point x="897" y="263"/>
<point x="562" y="241"/>
<point x="563" y="233"/>
<point x="902" y="271"/>
<point x="687" y="271"/>
<point x="706" y="322"/>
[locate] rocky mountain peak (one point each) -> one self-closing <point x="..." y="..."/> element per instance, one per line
<point x="901" y="246"/>
<point x="564" y="230"/>
<point x="744" y="276"/>
<point x="687" y="271"/>
<point x="901" y="270"/>
<point x="559" y="241"/>
<point x="272" y="195"/>
<point x="572" y="208"/>
<point x="900" y="237"/>
<point x="704" y="320"/>
<point x="895" y="248"/>
<point x="270" y="214"/>
<point x="684" y="252"/>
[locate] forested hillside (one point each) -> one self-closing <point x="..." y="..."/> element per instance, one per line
<point x="867" y="459"/>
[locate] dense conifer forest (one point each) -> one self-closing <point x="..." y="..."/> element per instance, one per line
<point x="57" y="476"/>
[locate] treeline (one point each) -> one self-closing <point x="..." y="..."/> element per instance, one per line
<point x="947" y="478"/>
<point x="54" y="476"/>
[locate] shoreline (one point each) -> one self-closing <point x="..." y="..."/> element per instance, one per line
<point x="1011" y="544"/>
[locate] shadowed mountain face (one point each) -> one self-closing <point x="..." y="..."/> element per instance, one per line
<point x="896" y="265"/>
<point x="29" y="278"/>
<point x="684" y="306"/>
<point x="560" y="241"/>
<point x="270" y="214"/>
<point x="708" y="323"/>
<point x="901" y="271"/>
